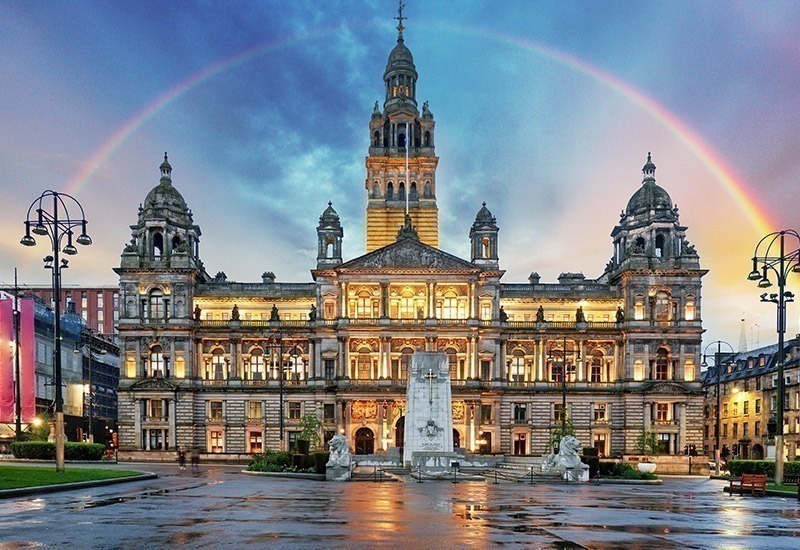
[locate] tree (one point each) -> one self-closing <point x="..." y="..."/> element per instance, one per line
<point x="42" y="431"/>
<point x="648" y="443"/>
<point x="560" y="433"/>
<point x="310" y="430"/>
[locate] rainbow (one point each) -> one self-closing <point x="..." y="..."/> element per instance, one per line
<point x="733" y="184"/>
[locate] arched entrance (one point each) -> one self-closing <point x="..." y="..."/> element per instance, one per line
<point x="365" y="441"/>
<point x="758" y="452"/>
<point x="400" y="432"/>
<point x="456" y="438"/>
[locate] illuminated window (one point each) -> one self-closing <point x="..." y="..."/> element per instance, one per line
<point x="294" y="410"/>
<point x="517" y="368"/>
<point x="180" y="367"/>
<point x="662" y="412"/>
<point x="746" y="408"/>
<point x="255" y="441"/>
<point x="662" y="364"/>
<point x="486" y="311"/>
<point x="216" y="441"/>
<point x="364" y="365"/>
<point x="156" y="305"/>
<point x="407" y="305"/>
<point x="405" y="362"/>
<point x="596" y="367"/>
<point x="155" y="409"/>
<point x="688" y="371"/>
<point x="255" y="410"/>
<point x="600" y="412"/>
<point x="156" y="364"/>
<point x="560" y="413"/>
<point x="450" y="306"/>
<point x="638" y="307"/>
<point x="689" y="313"/>
<point x="662" y="306"/>
<point x="452" y="360"/>
<point x="364" y="305"/>
<point x="217" y="365"/>
<point x="638" y="370"/>
<point x="130" y="367"/>
<point x="215" y="410"/>
<point x="257" y="364"/>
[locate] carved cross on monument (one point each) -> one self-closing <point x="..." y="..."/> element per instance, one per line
<point x="430" y="376"/>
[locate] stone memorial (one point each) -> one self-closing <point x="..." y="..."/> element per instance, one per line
<point x="428" y="443"/>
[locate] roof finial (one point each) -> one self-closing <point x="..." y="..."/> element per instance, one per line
<point x="166" y="170"/>
<point x="649" y="170"/>
<point x="400" y="27"/>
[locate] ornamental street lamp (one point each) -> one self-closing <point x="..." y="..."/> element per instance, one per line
<point x="771" y="256"/>
<point x="563" y="380"/>
<point x="57" y="225"/>
<point x="718" y="367"/>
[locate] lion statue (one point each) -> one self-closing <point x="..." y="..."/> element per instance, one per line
<point x="340" y="451"/>
<point x="567" y="462"/>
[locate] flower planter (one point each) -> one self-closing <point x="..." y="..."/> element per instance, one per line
<point x="646" y="467"/>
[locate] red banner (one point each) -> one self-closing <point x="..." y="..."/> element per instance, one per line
<point x="6" y="361"/>
<point x="27" y="365"/>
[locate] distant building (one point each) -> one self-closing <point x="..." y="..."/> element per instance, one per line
<point x="97" y="305"/>
<point x="77" y="340"/>
<point x="232" y="367"/>
<point x="748" y="401"/>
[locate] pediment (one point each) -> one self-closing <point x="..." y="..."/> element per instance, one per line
<point x="667" y="387"/>
<point x="158" y="384"/>
<point x="408" y="255"/>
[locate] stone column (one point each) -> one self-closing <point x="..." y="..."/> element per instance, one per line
<point x="384" y="299"/>
<point x="343" y="307"/>
<point x="173" y="423"/>
<point x="542" y="375"/>
<point x="648" y="412"/>
<point x="137" y="424"/>
<point x="433" y="300"/>
<point x="681" y="426"/>
<point x="584" y="360"/>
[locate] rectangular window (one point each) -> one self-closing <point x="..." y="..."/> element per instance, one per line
<point x="745" y="430"/>
<point x="215" y="410"/>
<point x="600" y="412"/>
<point x="215" y="440"/>
<point x="735" y="408"/>
<point x="662" y="412"/>
<point x="724" y="409"/>
<point x="329" y="412"/>
<point x="559" y="412"/>
<point x="255" y="410"/>
<point x="758" y="384"/>
<point x="294" y="410"/>
<point x="757" y="428"/>
<point x="156" y="411"/>
<point x="292" y="441"/>
<point x="486" y="414"/>
<point x="255" y="442"/>
<point x="520" y="412"/>
<point x="486" y="369"/>
<point x="735" y="429"/>
<point x="329" y="369"/>
<point x="758" y="406"/>
<point x="746" y="408"/>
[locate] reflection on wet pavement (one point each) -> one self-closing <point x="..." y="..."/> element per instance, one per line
<point x="222" y="507"/>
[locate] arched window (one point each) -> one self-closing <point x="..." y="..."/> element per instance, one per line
<point x="328" y="252"/>
<point x="297" y="364"/>
<point x="158" y="245"/>
<point x="659" y="250"/>
<point x="413" y="193"/>
<point x="638" y="307"/>
<point x="401" y="140"/>
<point x="689" y="311"/>
<point x="156" y="305"/>
<point x="401" y="192"/>
<point x="517" y="368"/>
<point x="376" y="190"/>
<point x="376" y="139"/>
<point x="176" y="242"/>
<point x="450" y="306"/>
<point x="156" y="364"/>
<point x="428" y="194"/>
<point x="407" y="305"/>
<point x="485" y="248"/>
<point x="390" y="191"/>
<point x="257" y="364"/>
<point x="427" y="139"/>
<point x="662" y="365"/>
<point x="364" y="305"/>
<point x="662" y="306"/>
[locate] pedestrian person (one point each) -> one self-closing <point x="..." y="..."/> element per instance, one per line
<point x="195" y="457"/>
<point x="182" y="458"/>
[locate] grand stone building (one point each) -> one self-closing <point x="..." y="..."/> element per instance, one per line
<point x="232" y="367"/>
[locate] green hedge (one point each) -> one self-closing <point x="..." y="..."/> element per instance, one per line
<point x="46" y="450"/>
<point x="739" y="467"/>
<point x="594" y="465"/>
<point x="320" y="460"/>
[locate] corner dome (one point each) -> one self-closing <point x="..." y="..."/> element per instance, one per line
<point x="649" y="197"/>
<point x="484" y="216"/>
<point x="400" y="56"/>
<point x="164" y="196"/>
<point x="329" y="216"/>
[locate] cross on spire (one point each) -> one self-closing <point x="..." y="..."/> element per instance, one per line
<point x="400" y="18"/>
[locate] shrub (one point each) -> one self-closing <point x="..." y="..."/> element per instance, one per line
<point x="269" y="461"/>
<point x="46" y="450"/>
<point x="320" y="460"/>
<point x="606" y="468"/>
<point x="739" y="467"/>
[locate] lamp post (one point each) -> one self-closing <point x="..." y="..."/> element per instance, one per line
<point x="56" y="225"/>
<point x="563" y="382"/>
<point x="780" y="262"/>
<point x="717" y="366"/>
<point x="278" y="361"/>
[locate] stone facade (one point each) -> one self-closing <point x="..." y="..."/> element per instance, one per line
<point x="232" y="367"/>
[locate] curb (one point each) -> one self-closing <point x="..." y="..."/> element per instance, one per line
<point x="628" y="481"/>
<point x="287" y="475"/>
<point x="25" y="491"/>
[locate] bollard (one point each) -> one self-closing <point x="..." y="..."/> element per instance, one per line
<point x="419" y="474"/>
<point x="495" y="476"/>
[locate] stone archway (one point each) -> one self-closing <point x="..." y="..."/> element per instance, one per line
<point x="365" y="441"/>
<point x="400" y="432"/>
<point x="456" y="439"/>
<point x="757" y="452"/>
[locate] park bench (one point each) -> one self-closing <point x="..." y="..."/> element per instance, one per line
<point x="751" y="482"/>
<point x="793" y="480"/>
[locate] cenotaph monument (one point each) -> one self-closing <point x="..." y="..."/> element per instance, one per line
<point x="428" y="442"/>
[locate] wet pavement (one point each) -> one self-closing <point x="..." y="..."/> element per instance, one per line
<point x="220" y="507"/>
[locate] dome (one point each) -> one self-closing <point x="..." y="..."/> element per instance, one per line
<point x="649" y="196"/>
<point x="484" y="216"/>
<point x="329" y="216"/>
<point x="400" y="56"/>
<point x="164" y="195"/>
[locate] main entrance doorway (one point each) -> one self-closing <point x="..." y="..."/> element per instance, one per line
<point x="365" y="441"/>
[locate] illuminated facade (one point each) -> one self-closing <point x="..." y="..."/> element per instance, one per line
<point x="231" y="367"/>
<point x="748" y="400"/>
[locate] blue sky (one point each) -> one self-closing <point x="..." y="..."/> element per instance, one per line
<point x="259" y="147"/>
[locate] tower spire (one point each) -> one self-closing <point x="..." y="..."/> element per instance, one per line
<point x="400" y="7"/>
